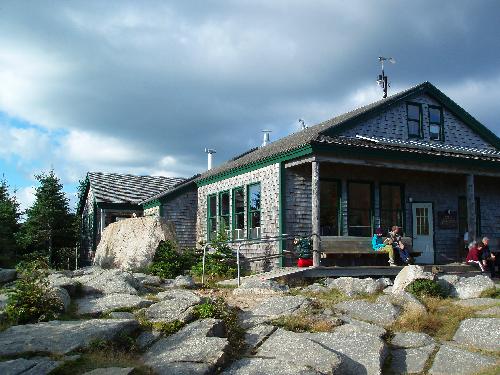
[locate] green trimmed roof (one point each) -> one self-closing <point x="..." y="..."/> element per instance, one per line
<point x="287" y="147"/>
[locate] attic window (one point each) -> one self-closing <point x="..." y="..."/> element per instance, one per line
<point x="414" y="120"/>
<point x="436" y="123"/>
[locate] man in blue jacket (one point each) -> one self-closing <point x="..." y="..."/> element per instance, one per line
<point x="383" y="245"/>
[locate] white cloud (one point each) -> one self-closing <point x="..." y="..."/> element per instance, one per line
<point x="26" y="197"/>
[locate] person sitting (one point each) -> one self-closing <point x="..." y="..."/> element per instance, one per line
<point x="383" y="245"/>
<point x="397" y="244"/>
<point x="488" y="258"/>
<point x="474" y="255"/>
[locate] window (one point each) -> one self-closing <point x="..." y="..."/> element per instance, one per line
<point x="436" y="123"/>
<point x="224" y="212"/>
<point x="359" y="201"/>
<point x="254" y="211"/>
<point x="238" y="214"/>
<point x="329" y="208"/>
<point x="212" y="216"/>
<point x="391" y="205"/>
<point x="414" y="119"/>
<point x="463" y="221"/>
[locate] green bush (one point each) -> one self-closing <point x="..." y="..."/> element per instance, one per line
<point x="168" y="262"/>
<point x="220" y="263"/>
<point x="31" y="300"/>
<point x="425" y="288"/>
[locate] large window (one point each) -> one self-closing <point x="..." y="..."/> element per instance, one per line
<point x="436" y="123"/>
<point x="254" y="210"/>
<point x="224" y="211"/>
<point x="212" y="216"/>
<point x="329" y="208"/>
<point x="414" y="119"/>
<point x="360" y="215"/>
<point x="238" y="214"/>
<point x="391" y="205"/>
<point x="463" y="220"/>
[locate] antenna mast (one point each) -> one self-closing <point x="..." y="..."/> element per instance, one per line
<point x="382" y="78"/>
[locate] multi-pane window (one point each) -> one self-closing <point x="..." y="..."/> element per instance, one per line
<point x="422" y="218"/>
<point x="212" y="216"/>
<point x="391" y="205"/>
<point x="329" y="208"/>
<point x="359" y="195"/>
<point x="414" y="119"/>
<point x="254" y="210"/>
<point x="224" y="211"/>
<point x="436" y="123"/>
<point x="238" y="214"/>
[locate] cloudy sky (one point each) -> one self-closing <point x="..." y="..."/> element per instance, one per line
<point x="143" y="87"/>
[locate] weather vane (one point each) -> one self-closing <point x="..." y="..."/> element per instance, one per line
<point x="382" y="78"/>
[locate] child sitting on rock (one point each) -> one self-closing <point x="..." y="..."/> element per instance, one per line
<point x="474" y="255"/>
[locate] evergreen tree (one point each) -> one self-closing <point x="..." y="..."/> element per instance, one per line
<point x="49" y="228"/>
<point x="9" y="216"/>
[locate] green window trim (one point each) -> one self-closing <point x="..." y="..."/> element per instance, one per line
<point x="211" y="217"/>
<point x="224" y="216"/>
<point x="238" y="217"/>
<point x="253" y="213"/>
<point x="440" y="123"/>
<point x="419" y="120"/>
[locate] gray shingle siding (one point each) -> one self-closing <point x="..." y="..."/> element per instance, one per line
<point x="181" y="212"/>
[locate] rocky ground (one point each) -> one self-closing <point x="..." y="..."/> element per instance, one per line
<point x="336" y="326"/>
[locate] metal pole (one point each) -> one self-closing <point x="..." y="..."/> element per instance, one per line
<point x="203" y="265"/>
<point x="238" y="263"/>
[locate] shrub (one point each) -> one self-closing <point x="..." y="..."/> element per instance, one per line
<point x="31" y="300"/>
<point x="219" y="263"/>
<point x="168" y="262"/>
<point x="425" y="288"/>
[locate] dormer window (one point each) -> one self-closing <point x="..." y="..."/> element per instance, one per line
<point x="414" y="120"/>
<point x="436" y="123"/>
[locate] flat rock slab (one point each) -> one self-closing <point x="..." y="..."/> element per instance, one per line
<point x="481" y="333"/>
<point x="361" y="353"/>
<point x="268" y="366"/>
<point x="403" y="299"/>
<point x="492" y="311"/>
<point x="477" y="302"/>
<point x="359" y="325"/>
<point x="352" y="286"/>
<point x="255" y="336"/>
<point x="260" y="287"/>
<point x="300" y="350"/>
<point x="281" y="305"/>
<point x="110" y="302"/>
<point x="61" y="337"/>
<point x="176" y="305"/>
<point x="379" y="313"/>
<point x="146" y="339"/>
<point x="100" y="281"/>
<point x="453" y="360"/>
<point x="111" y="371"/>
<point x="466" y="287"/>
<point x="63" y="281"/>
<point x="32" y="366"/>
<point x="411" y="360"/>
<point x="411" y="339"/>
<point x="188" y="351"/>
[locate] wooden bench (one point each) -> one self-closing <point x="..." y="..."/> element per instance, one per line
<point x="357" y="245"/>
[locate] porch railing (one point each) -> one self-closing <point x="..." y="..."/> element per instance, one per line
<point x="241" y="243"/>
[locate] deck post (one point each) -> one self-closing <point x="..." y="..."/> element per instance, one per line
<point x="471" y="208"/>
<point x="315" y="213"/>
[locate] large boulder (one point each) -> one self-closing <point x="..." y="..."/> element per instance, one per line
<point x="467" y="287"/>
<point x="409" y="274"/>
<point x="96" y="280"/>
<point x="403" y="299"/>
<point x="196" y="349"/>
<point x="61" y="337"/>
<point x="481" y="333"/>
<point x="176" y="305"/>
<point x="410" y="360"/>
<point x="131" y="244"/>
<point x="352" y="286"/>
<point x="452" y="360"/>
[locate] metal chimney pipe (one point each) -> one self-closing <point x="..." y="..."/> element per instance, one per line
<point x="209" y="153"/>
<point x="266" y="139"/>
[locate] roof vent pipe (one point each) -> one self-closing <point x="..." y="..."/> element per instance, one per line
<point x="266" y="139"/>
<point x="302" y="124"/>
<point x="209" y="153"/>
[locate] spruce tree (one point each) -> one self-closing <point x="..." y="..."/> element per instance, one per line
<point x="49" y="228"/>
<point x="9" y="225"/>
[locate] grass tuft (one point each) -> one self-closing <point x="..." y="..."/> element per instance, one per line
<point x="491" y="293"/>
<point x="305" y="322"/>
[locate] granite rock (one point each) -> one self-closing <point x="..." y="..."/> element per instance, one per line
<point x="379" y="313"/>
<point x="480" y="333"/>
<point x="409" y="274"/>
<point x="452" y="360"/>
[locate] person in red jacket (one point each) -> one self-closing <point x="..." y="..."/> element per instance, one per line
<point x="474" y="255"/>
